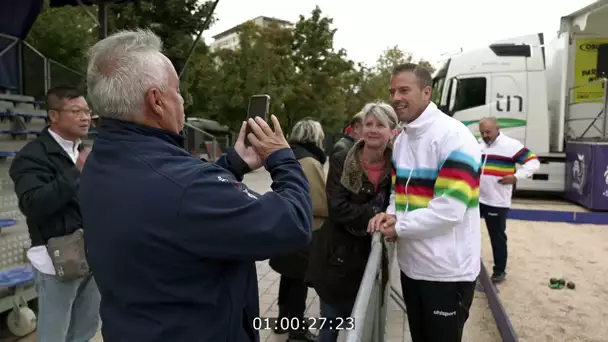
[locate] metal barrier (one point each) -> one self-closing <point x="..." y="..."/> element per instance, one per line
<point x="197" y="143"/>
<point x="370" y="308"/>
<point x="603" y="113"/>
<point x="33" y="73"/>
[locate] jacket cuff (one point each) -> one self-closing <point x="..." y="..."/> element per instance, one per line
<point x="279" y="157"/>
<point x="236" y="164"/>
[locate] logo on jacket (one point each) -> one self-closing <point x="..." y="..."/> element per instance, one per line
<point x="246" y="191"/>
<point x="578" y="173"/>
<point x="605" y="193"/>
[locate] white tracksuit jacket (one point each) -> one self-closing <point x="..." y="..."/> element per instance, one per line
<point x="499" y="160"/>
<point x="435" y="197"/>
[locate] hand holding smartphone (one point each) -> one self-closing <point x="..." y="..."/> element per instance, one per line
<point x="259" y="105"/>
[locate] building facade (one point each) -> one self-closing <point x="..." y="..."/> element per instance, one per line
<point x="229" y="39"/>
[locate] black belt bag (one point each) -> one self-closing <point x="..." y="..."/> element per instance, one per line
<point x="68" y="255"/>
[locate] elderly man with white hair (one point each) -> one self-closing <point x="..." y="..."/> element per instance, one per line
<point x="173" y="240"/>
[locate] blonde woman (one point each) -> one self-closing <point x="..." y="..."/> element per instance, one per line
<point x="358" y="187"/>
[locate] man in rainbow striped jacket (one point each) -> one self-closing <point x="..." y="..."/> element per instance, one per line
<point x="434" y="210"/>
<point x="500" y="154"/>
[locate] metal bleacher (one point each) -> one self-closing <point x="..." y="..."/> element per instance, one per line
<point x="20" y="121"/>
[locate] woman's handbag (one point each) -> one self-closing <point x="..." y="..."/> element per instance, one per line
<point x="68" y="255"/>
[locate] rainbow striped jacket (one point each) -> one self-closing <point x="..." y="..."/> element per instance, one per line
<point x="499" y="159"/>
<point x="435" y="197"/>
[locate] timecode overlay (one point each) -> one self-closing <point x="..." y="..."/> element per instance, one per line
<point x="319" y="323"/>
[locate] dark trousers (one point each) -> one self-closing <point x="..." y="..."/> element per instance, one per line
<point x="436" y="311"/>
<point x="496" y="221"/>
<point x="292" y="297"/>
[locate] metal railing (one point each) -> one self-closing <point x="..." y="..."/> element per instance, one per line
<point x="370" y="310"/>
<point x="34" y="73"/>
<point x="603" y="113"/>
<point x="198" y="145"/>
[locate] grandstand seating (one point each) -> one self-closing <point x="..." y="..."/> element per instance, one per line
<point x="20" y="121"/>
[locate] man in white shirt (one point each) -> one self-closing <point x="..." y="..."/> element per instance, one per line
<point x="434" y="210"/>
<point x="500" y="154"/>
<point x="46" y="173"/>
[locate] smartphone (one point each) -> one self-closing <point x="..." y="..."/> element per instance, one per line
<point x="259" y="105"/>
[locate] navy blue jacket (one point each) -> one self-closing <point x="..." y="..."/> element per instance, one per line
<point x="172" y="240"/>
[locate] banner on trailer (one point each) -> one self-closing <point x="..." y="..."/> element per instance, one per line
<point x="587" y="174"/>
<point x="578" y="172"/>
<point x="599" y="188"/>
<point x="585" y="63"/>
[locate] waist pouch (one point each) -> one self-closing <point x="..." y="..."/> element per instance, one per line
<point x="68" y="255"/>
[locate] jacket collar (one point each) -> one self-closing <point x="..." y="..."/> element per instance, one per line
<point x="67" y="145"/>
<point x="496" y="141"/>
<point x="135" y="132"/>
<point x="302" y="150"/>
<point x="424" y="121"/>
<point x="51" y="145"/>
<point x="353" y="173"/>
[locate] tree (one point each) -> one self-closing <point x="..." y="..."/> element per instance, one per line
<point x="375" y="80"/>
<point x="262" y="65"/>
<point x="427" y="65"/>
<point x="176" y="22"/>
<point x="66" y="33"/>
<point x="323" y="74"/>
<point x="63" y="34"/>
<point x="298" y="67"/>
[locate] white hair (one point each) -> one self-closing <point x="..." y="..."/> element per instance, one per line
<point x="307" y="131"/>
<point x="383" y="112"/>
<point x="122" y="68"/>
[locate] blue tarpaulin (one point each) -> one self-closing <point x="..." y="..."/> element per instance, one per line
<point x="17" y="17"/>
<point x="16" y="20"/>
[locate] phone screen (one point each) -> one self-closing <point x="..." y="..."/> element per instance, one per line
<point x="258" y="106"/>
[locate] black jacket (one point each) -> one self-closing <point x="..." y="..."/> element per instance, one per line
<point x="339" y="254"/>
<point x="172" y="240"/>
<point x="46" y="182"/>
<point x="344" y="144"/>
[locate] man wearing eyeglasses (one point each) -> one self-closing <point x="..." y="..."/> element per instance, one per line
<point x="46" y="174"/>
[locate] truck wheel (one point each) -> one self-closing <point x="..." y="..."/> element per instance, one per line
<point x="21" y="322"/>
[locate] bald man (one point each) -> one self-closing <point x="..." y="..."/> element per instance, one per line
<point x="500" y="154"/>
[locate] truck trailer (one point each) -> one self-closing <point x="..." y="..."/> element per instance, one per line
<point x="544" y="95"/>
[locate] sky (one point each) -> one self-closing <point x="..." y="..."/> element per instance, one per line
<point x="429" y="29"/>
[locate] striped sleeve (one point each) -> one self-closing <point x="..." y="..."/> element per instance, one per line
<point x="528" y="161"/>
<point x="455" y="192"/>
<point x="523" y="156"/>
<point x="458" y="178"/>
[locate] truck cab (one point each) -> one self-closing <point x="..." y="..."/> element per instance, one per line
<point x="506" y="80"/>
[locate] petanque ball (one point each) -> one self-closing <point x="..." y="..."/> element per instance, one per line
<point x="571" y="285"/>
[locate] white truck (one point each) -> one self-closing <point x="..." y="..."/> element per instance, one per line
<point x="544" y="95"/>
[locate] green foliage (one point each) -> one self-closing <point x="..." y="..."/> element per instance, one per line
<point x="376" y="80"/>
<point x="64" y="34"/>
<point x="297" y="66"/>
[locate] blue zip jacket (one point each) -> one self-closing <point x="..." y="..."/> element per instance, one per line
<point x="172" y="240"/>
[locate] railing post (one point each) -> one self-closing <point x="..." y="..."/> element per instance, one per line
<point x="605" y="128"/>
<point x="20" y="66"/>
<point x="47" y="74"/>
